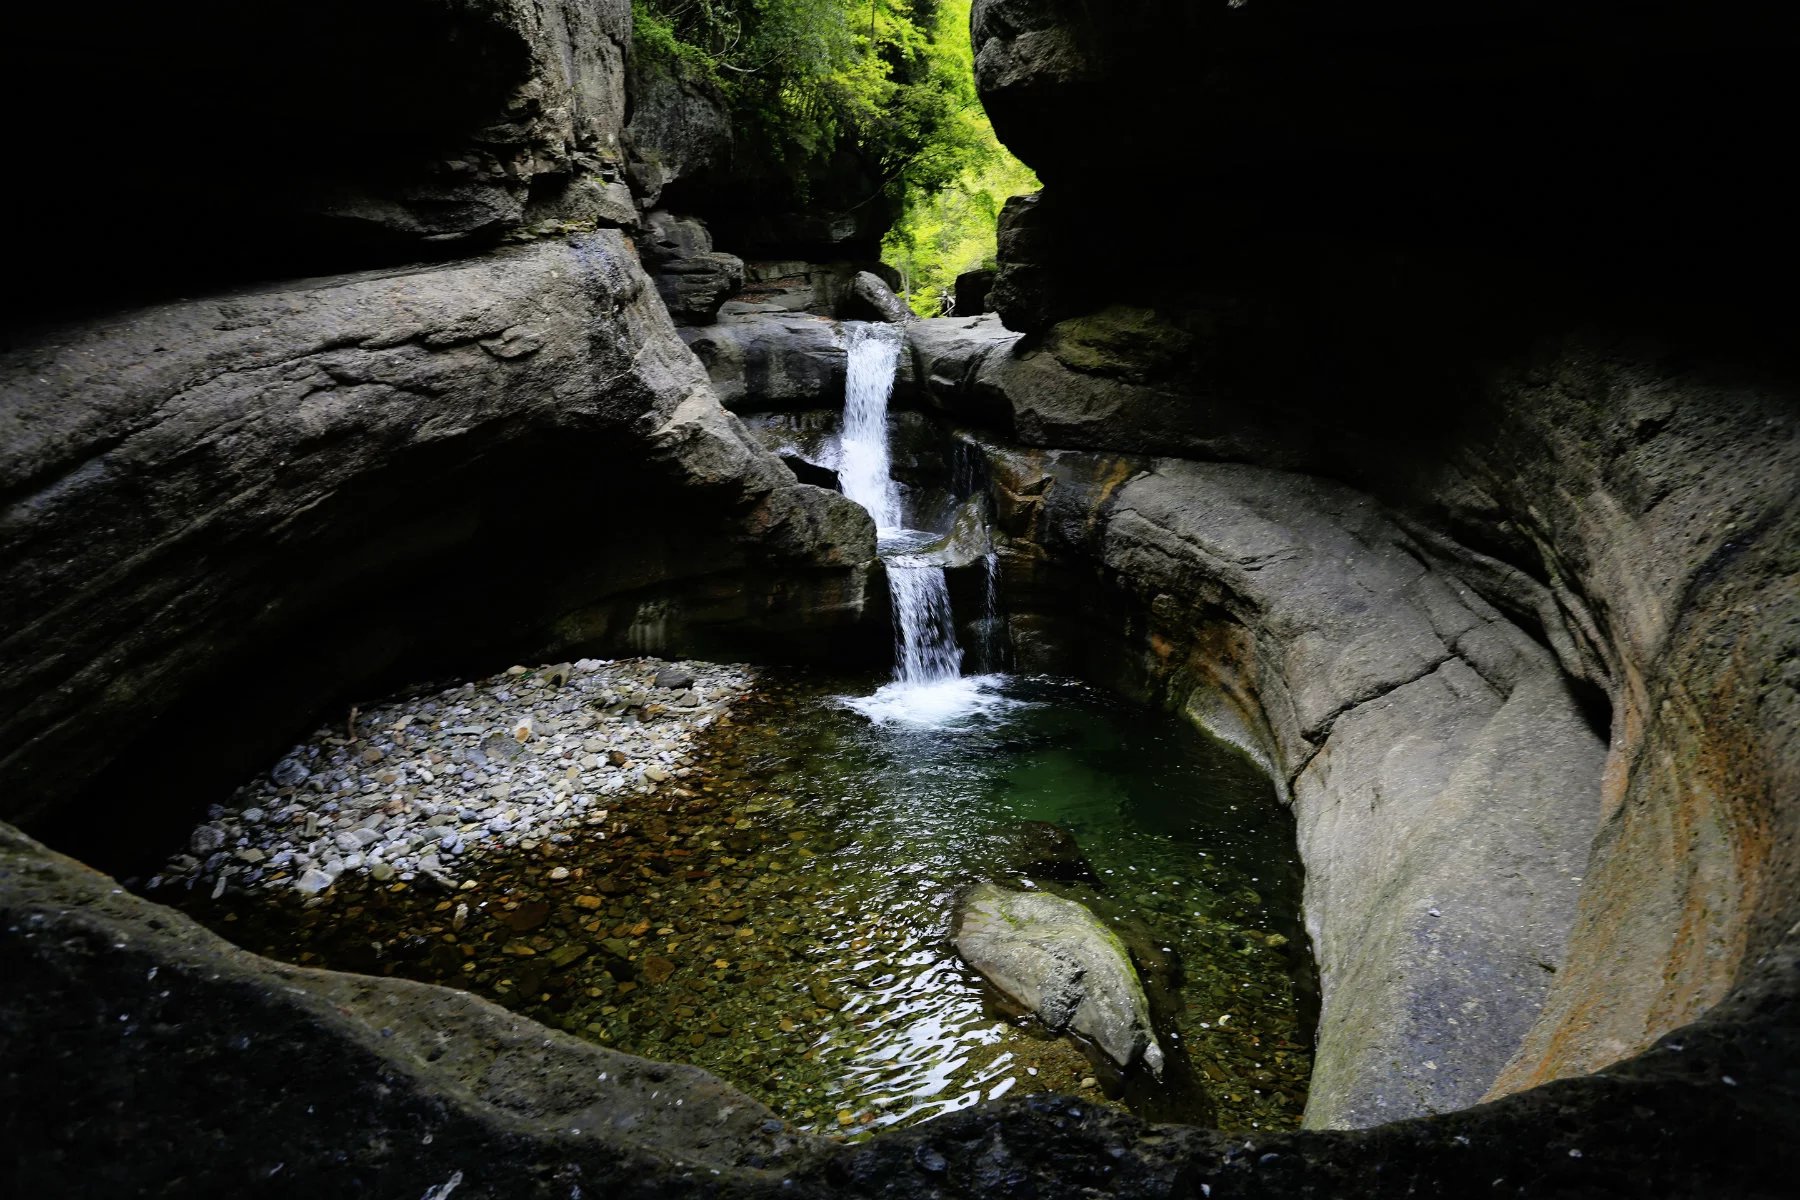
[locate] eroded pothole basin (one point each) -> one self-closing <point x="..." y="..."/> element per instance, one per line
<point x="774" y="900"/>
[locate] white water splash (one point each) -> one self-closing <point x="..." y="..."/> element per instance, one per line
<point x="990" y="620"/>
<point x="947" y="704"/>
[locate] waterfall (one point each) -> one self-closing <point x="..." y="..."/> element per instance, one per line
<point x="990" y="621"/>
<point x="864" y="465"/>
<point x="925" y="649"/>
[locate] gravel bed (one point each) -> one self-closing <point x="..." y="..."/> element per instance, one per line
<point x="412" y="788"/>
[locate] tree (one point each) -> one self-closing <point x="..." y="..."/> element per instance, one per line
<point x="894" y="79"/>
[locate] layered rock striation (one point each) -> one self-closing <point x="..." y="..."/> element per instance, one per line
<point x="1441" y="772"/>
<point x="321" y="487"/>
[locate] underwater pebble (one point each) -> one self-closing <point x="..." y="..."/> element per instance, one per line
<point x="508" y="761"/>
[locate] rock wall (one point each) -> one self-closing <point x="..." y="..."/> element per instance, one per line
<point x="305" y="137"/>
<point x="1625" y="494"/>
<point x="221" y="516"/>
<point x="1576" y="396"/>
<point x="224" y="515"/>
<point x="1441" y="773"/>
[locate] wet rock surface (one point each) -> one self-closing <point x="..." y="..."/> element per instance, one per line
<point x="1395" y="705"/>
<point x="1055" y="960"/>
<point x="761" y="361"/>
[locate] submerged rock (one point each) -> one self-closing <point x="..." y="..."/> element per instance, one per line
<point x="1054" y="958"/>
<point x="1044" y="850"/>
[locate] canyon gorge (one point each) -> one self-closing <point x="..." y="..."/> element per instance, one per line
<point x="1400" y="401"/>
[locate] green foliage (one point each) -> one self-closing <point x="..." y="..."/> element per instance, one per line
<point x="892" y="80"/>
<point x="948" y="226"/>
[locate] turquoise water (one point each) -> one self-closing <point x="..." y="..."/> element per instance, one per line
<point x="782" y="916"/>
<point x="1190" y="858"/>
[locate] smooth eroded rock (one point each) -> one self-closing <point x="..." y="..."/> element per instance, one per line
<point x="1054" y="958"/>
<point x="870" y="299"/>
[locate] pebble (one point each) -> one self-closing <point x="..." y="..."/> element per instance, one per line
<point x="312" y="881"/>
<point x="509" y="761"/>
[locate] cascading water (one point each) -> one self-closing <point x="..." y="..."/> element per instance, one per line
<point x="927" y="660"/>
<point x="926" y="651"/>
<point x="864" y="465"/>
<point x="990" y="620"/>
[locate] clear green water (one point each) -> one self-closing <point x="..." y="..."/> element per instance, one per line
<point x="783" y="918"/>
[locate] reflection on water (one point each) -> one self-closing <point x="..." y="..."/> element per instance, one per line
<point x="783" y="918"/>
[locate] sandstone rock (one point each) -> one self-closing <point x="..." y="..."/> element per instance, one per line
<point x="870" y="299"/>
<point x="692" y="278"/>
<point x="200" y="427"/>
<point x="1054" y="958"/>
<point x="1390" y="702"/>
<point x="768" y="361"/>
